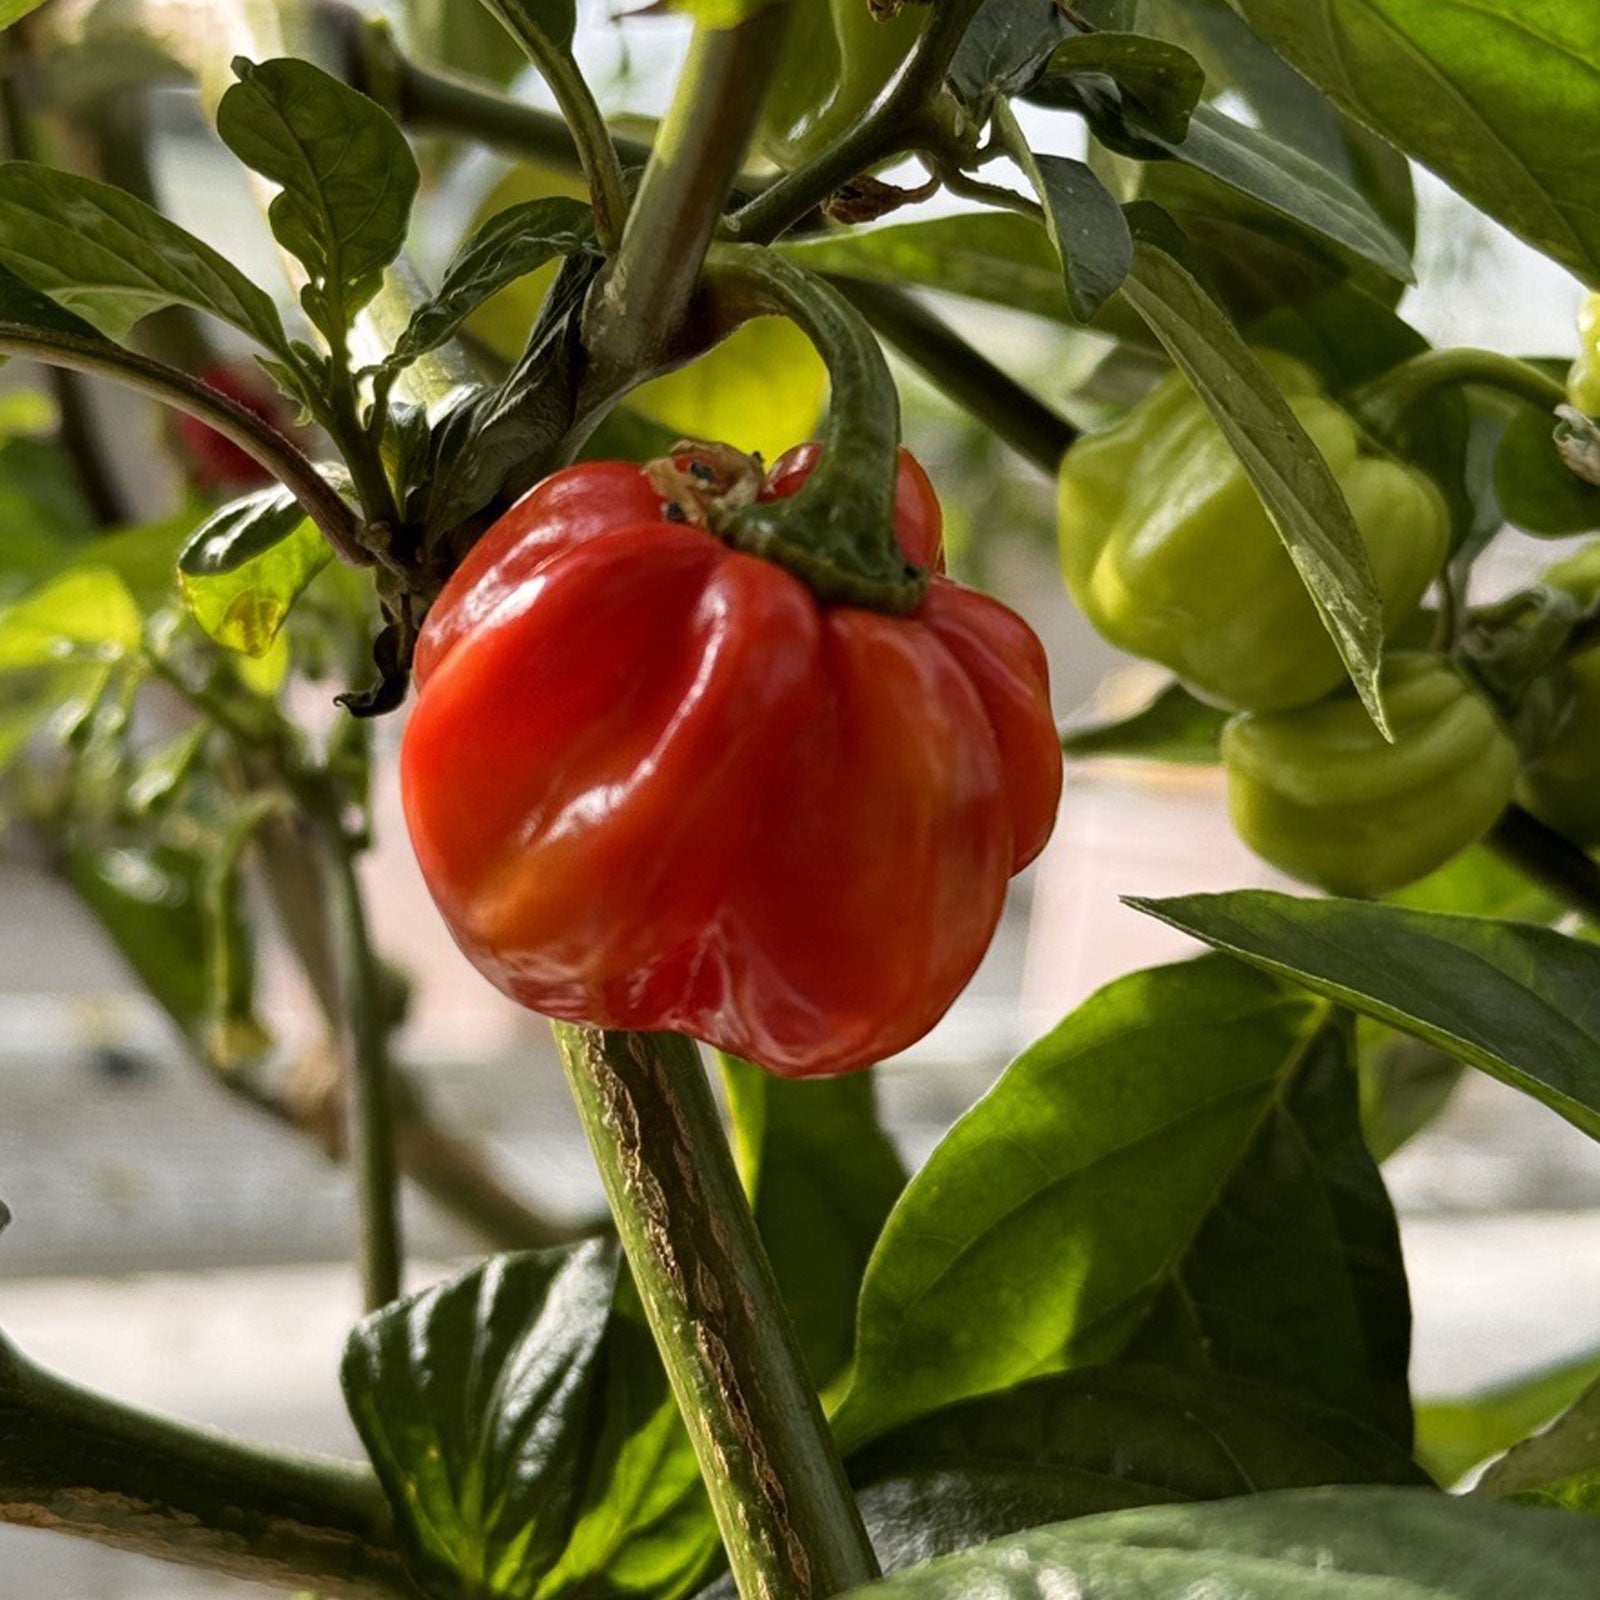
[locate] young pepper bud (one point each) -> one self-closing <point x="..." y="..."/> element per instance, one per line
<point x="1171" y="554"/>
<point x="1318" y="793"/>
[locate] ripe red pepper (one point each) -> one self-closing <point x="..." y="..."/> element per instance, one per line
<point x="654" y="783"/>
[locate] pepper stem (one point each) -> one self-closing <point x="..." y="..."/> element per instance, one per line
<point x="1383" y="403"/>
<point x="837" y="533"/>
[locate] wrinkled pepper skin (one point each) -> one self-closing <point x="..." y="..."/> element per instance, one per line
<point x="1317" y="792"/>
<point x="1171" y="555"/>
<point x="1561" y="786"/>
<point x="837" y="59"/>
<point x="653" y="783"/>
<point x="1583" y="382"/>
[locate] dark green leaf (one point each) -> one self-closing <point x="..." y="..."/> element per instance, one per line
<point x="1514" y="1000"/>
<point x="1279" y="176"/>
<point x="101" y="252"/>
<point x="1495" y="96"/>
<point x="466" y="39"/>
<point x="644" y="1525"/>
<point x="347" y="175"/>
<point x="21" y="302"/>
<point x="1130" y="1178"/>
<point x="1295" y="484"/>
<point x="1160" y="82"/>
<point x="476" y="1401"/>
<point x="993" y="255"/>
<point x="1536" y="489"/>
<point x="148" y="901"/>
<point x="1005" y="46"/>
<point x="508" y="246"/>
<point x="247" y="564"/>
<point x="1085" y="223"/>
<point x="1316" y="1544"/>
<point x="1173" y="727"/>
<point x="1454" y="1436"/>
<point x="1100" y="1440"/>
<point x="824" y="1177"/>
<point x="1559" y="1467"/>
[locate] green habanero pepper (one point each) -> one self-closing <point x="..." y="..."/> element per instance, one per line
<point x="838" y="57"/>
<point x="1317" y="792"/>
<point x="1583" y="382"/>
<point x="1171" y="555"/>
<point x="1561" y="785"/>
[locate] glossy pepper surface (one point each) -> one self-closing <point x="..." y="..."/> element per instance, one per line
<point x="654" y="783"/>
<point x="1172" y="556"/>
<point x="1561" y="785"/>
<point x="838" y="57"/>
<point x="1318" y="793"/>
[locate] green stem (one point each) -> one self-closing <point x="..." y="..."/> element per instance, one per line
<point x="258" y="439"/>
<point x="83" y="1464"/>
<point x="1571" y="874"/>
<point x="1024" y="421"/>
<point x="1383" y="403"/>
<point x="602" y="169"/>
<point x="788" y="1520"/>
<point x="901" y="122"/>
<point x="430" y="102"/>
<point x="837" y="533"/>
<point x="636" y="313"/>
<point x="370" y="1074"/>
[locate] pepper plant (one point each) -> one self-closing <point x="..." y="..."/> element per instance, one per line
<point x="707" y="751"/>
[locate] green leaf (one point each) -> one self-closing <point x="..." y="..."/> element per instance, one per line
<point x="824" y="1176"/>
<point x="1294" y="482"/>
<point x="1453" y="1436"/>
<point x="476" y="1401"/>
<point x="85" y="615"/>
<point x="247" y="564"/>
<point x="14" y="10"/>
<point x="466" y="39"/>
<point x="1173" y="727"/>
<point x="1176" y="1168"/>
<point x="1559" y="1467"/>
<point x="1004" y="47"/>
<point x="990" y="255"/>
<point x="1275" y="173"/>
<point x="102" y="253"/>
<point x="1085" y="223"/>
<point x="1536" y="489"/>
<point x="711" y="13"/>
<point x="1307" y="1544"/>
<point x="1101" y="1440"/>
<point x="644" y="1525"/>
<point x="21" y="303"/>
<point x="1494" y="95"/>
<point x="347" y="175"/>
<point x="511" y="244"/>
<point x="149" y="902"/>
<point x="1514" y="1000"/>
<point x="1160" y="82"/>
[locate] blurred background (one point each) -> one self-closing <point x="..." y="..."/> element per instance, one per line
<point x="175" y="1248"/>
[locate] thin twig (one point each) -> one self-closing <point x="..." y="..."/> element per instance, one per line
<point x="1550" y="859"/>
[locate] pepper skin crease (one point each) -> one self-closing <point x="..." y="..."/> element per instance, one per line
<point x="654" y="783"/>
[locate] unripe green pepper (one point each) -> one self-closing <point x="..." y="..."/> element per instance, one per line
<point x="1171" y="554"/>
<point x="1561" y="786"/>
<point x="1318" y="793"/>
<point x="1583" y="382"/>
<point x="838" y="57"/>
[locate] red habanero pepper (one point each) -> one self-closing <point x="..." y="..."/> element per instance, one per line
<point x="654" y="783"/>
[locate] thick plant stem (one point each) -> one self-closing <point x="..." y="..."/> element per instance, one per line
<point x="637" y="312"/>
<point x="369" y="1073"/>
<point x="901" y="122"/>
<point x="788" y="1520"/>
<point x="954" y="367"/>
<point x="1571" y="874"/>
<point x="82" y="1464"/>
